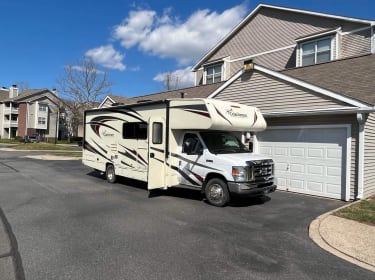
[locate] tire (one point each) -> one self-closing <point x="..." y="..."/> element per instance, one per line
<point x="110" y="174"/>
<point x="216" y="192"/>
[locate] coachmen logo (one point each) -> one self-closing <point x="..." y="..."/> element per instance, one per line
<point x="236" y="114"/>
<point x="104" y="133"/>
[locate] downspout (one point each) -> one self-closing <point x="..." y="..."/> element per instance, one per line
<point x="26" y="118"/>
<point x="361" y="154"/>
<point x="372" y="40"/>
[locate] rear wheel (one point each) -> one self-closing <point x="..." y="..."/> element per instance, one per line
<point x="110" y="173"/>
<point x="216" y="192"/>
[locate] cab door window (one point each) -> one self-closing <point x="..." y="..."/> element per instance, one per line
<point x="191" y="144"/>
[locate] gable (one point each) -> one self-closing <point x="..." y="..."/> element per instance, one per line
<point x="275" y="95"/>
<point x="271" y="29"/>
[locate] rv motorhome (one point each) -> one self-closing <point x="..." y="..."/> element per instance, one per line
<point x="193" y="143"/>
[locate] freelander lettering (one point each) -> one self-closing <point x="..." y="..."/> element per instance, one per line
<point x="235" y="114"/>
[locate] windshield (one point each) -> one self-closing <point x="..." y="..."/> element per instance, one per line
<point x="222" y="142"/>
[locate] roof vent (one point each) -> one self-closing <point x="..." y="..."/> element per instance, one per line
<point x="117" y="104"/>
<point x="144" y="100"/>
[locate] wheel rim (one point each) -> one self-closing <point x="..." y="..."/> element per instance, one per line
<point x="216" y="193"/>
<point x="110" y="173"/>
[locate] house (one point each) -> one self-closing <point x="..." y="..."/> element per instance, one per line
<point x="202" y="91"/>
<point x="312" y="75"/>
<point x="30" y="112"/>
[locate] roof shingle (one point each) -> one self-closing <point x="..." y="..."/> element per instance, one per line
<point x="352" y="77"/>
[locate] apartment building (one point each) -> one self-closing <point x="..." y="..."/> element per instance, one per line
<point x="30" y="112"/>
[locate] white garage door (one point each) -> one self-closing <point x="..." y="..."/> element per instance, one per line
<point x="309" y="160"/>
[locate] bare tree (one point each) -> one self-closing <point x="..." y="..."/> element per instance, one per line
<point x="171" y="81"/>
<point x="22" y="85"/>
<point x="84" y="85"/>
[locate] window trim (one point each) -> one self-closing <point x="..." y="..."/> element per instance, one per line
<point x="42" y="105"/>
<point x="315" y="41"/>
<point x="213" y="65"/>
<point x="42" y="120"/>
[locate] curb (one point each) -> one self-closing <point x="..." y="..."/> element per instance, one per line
<point x="316" y="236"/>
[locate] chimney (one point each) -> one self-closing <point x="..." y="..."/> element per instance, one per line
<point x="13" y="91"/>
<point x="54" y="91"/>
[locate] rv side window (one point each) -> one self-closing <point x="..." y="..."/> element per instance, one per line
<point x="134" y="130"/>
<point x="157" y="133"/>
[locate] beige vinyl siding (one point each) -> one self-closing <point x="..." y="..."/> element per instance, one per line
<point x="278" y="60"/>
<point x="358" y="43"/>
<point x="273" y="95"/>
<point x="325" y="120"/>
<point x="272" y="29"/>
<point x="369" y="168"/>
<point x="199" y="77"/>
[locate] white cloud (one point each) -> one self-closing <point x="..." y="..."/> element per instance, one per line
<point x="81" y="69"/>
<point x="107" y="56"/>
<point x="181" y="77"/>
<point x="168" y="37"/>
<point x="134" y="28"/>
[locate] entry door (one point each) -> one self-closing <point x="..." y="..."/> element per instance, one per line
<point x="156" y="153"/>
<point x="309" y="160"/>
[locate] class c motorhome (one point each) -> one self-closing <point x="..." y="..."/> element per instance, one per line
<point x="193" y="143"/>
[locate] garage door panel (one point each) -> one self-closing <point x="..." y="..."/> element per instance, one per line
<point x="315" y="186"/>
<point x="333" y="188"/>
<point x="297" y="152"/>
<point x="333" y="171"/>
<point x="315" y="170"/>
<point x="315" y="153"/>
<point x="308" y="160"/>
<point x="298" y="168"/>
<point x="297" y="184"/>
<point x="281" y="151"/>
<point x="334" y="153"/>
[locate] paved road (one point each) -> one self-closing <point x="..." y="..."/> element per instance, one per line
<point x="71" y="224"/>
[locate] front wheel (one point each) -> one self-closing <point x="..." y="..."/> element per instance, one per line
<point x="216" y="192"/>
<point x="110" y="173"/>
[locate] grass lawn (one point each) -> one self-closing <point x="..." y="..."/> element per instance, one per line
<point x="363" y="211"/>
<point x="45" y="146"/>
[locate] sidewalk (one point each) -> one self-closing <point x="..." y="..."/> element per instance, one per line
<point x="347" y="239"/>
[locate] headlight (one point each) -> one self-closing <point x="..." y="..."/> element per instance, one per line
<point x="242" y="173"/>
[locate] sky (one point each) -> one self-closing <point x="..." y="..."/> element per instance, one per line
<point x="135" y="42"/>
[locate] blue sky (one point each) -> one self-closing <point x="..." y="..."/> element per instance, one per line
<point x="135" y="41"/>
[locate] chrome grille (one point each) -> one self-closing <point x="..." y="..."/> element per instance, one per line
<point x="263" y="169"/>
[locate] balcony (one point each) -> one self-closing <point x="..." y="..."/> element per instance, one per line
<point x="8" y="124"/>
<point x="8" y="110"/>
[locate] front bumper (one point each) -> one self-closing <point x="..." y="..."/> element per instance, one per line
<point x="242" y="189"/>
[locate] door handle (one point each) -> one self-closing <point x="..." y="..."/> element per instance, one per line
<point x="152" y="155"/>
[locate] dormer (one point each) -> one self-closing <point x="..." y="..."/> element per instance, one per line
<point x="317" y="48"/>
<point x="215" y="71"/>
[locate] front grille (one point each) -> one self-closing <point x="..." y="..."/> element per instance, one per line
<point x="263" y="169"/>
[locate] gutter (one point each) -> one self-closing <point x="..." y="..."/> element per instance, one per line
<point x="331" y="111"/>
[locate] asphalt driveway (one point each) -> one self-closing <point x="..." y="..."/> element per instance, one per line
<point x="71" y="224"/>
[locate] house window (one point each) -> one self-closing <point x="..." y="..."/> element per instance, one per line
<point x="41" y="120"/>
<point x="43" y="107"/>
<point x="213" y="74"/>
<point x="315" y="52"/>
